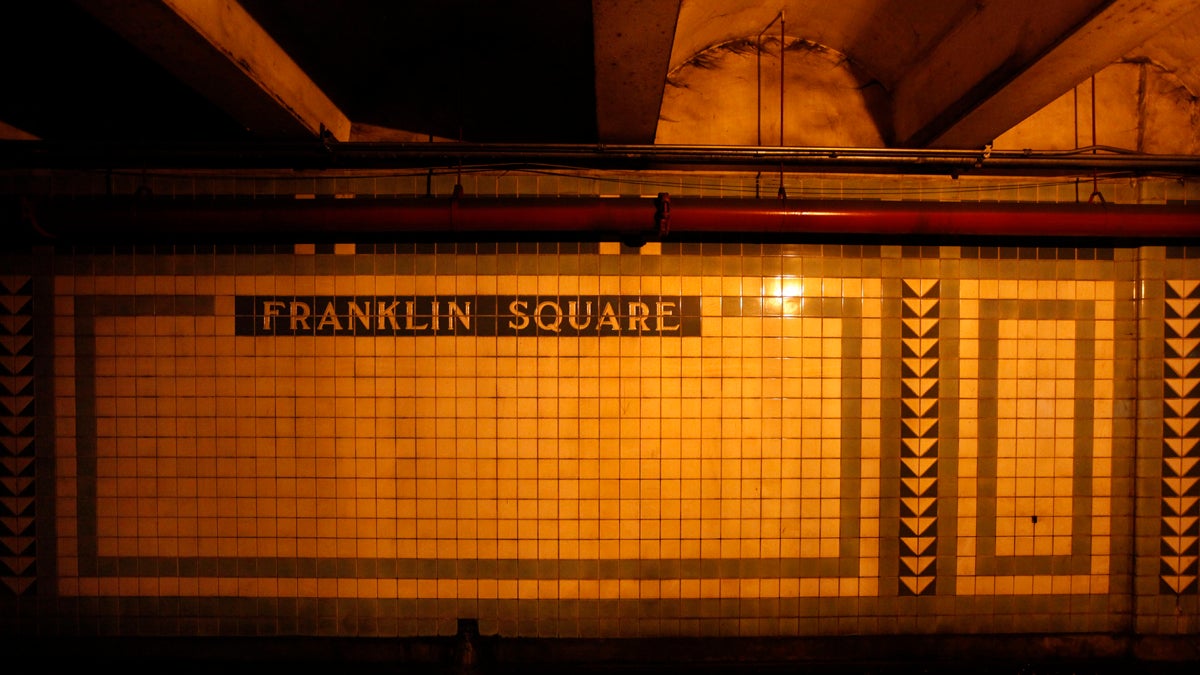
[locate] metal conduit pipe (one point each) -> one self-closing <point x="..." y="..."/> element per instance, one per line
<point x="621" y="219"/>
<point x="30" y="155"/>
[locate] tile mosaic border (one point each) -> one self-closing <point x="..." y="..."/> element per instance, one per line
<point x="88" y="308"/>
<point x="18" y="444"/>
<point x="266" y="615"/>
<point x="920" y="407"/>
<point x="1079" y="561"/>
<point x="1180" y="526"/>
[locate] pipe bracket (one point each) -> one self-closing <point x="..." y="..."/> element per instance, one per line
<point x="662" y="214"/>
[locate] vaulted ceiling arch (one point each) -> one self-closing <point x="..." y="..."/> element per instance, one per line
<point x="955" y="73"/>
<point x="750" y="92"/>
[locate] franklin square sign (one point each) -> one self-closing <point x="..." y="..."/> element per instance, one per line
<point x="479" y="315"/>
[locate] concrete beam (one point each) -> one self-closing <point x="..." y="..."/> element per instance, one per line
<point x="374" y="133"/>
<point x="10" y="133"/>
<point x="1010" y="58"/>
<point x="218" y="49"/>
<point x="632" y="41"/>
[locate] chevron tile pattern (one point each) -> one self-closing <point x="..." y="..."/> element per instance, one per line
<point x="1181" y="439"/>
<point x="919" y="437"/>
<point x="16" y="435"/>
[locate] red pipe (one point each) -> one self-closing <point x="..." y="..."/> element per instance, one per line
<point x="614" y="218"/>
<point x="947" y="219"/>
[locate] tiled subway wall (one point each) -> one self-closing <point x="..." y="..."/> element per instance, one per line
<point x="586" y="439"/>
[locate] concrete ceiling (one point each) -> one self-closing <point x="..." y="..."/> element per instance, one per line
<point x="887" y="73"/>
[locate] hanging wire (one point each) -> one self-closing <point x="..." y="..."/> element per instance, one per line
<point x="1095" y="184"/>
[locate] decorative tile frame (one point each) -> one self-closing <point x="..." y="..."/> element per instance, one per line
<point x="911" y="334"/>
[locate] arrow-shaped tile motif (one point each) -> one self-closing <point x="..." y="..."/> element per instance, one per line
<point x="15" y="284"/>
<point x="919" y="447"/>
<point x="15" y="304"/>
<point x="918" y="506"/>
<point x="14" y="344"/>
<point x="19" y="585"/>
<point x="18" y="524"/>
<point x="17" y="545"/>
<point x="15" y="446"/>
<point x="919" y="428"/>
<point x="15" y="405"/>
<point x="918" y="546"/>
<point x="1179" y="345"/>
<point x="1182" y="467"/>
<point x="13" y="324"/>
<point x="16" y="466"/>
<point x="17" y="565"/>
<point x="1179" y="504"/>
<point x="14" y="385"/>
<point x="1180" y="508"/>
<point x="919" y="373"/>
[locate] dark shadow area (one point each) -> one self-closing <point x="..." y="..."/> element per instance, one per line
<point x="468" y="653"/>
